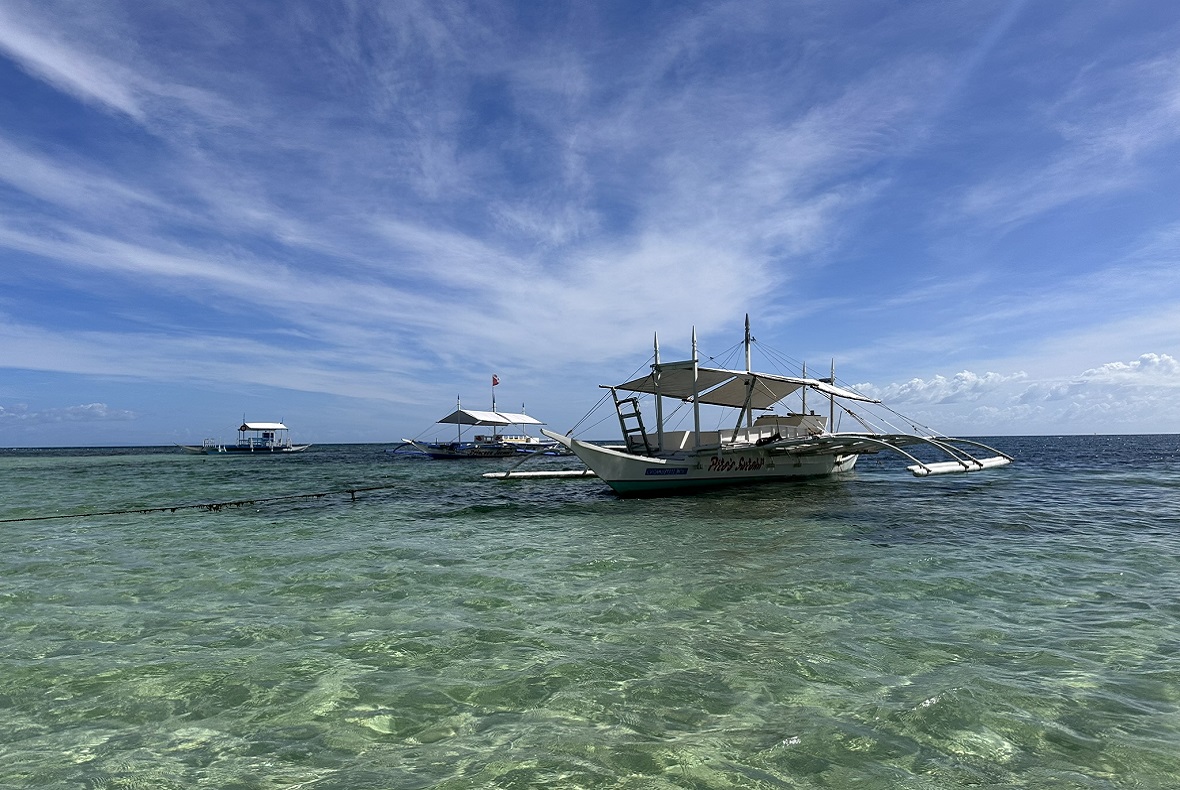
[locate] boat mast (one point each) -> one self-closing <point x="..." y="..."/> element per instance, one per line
<point x="696" y="399"/>
<point x="495" y="428"/>
<point x="459" y="421"/>
<point x="749" y="380"/>
<point x="832" y="400"/>
<point x="655" y="370"/>
<point x="803" y="391"/>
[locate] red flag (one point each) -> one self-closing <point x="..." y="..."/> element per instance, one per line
<point x="495" y="379"/>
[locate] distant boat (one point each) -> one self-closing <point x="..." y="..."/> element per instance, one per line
<point x="769" y="448"/>
<point x="488" y="445"/>
<point x="254" y="438"/>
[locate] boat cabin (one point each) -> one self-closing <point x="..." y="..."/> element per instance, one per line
<point x="263" y="435"/>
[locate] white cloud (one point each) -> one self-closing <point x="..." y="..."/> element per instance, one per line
<point x="91" y="78"/>
<point x="1111" y="398"/>
<point x="1107" y="124"/>
<point x="71" y="187"/>
<point x="1049" y="391"/>
<point x="1149" y="369"/>
<point x="89" y="412"/>
<point x="964" y="386"/>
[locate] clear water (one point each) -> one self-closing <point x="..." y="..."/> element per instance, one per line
<point x="1020" y="627"/>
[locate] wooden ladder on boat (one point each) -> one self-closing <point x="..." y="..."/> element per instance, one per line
<point x="631" y="423"/>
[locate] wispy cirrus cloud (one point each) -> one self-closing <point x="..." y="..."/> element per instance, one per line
<point x="91" y="78"/>
<point x="1109" y="124"/>
<point x="432" y="268"/>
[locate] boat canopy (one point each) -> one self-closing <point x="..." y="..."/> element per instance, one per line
<point x="720" y="387"/>
<point x="262" y="426"/>
<point x="472" y="417"/>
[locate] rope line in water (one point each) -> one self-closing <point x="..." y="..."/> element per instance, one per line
<point x="210" y="506"/>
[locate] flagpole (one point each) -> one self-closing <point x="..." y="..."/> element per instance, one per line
<point x="495" y="381"/>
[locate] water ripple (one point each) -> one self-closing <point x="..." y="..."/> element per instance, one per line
<point x="1017" y="629"/>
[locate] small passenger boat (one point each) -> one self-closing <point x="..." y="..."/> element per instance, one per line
<point x="254" y="438"/>
<point x="483" y="445"/>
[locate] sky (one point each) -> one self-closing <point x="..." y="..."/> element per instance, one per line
<point x="348" y="215"/>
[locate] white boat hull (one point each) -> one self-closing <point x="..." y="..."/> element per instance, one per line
<point x="503" y="447"/>
<point x="637" y="475"/>
<point x="230" y="449"/>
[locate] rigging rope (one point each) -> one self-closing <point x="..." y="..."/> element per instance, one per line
<point x="784" y="362"/>
<point x="210" y="506"/>
<point x="602" y="400"/>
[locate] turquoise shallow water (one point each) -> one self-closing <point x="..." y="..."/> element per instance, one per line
<point x="1020" y="627"/>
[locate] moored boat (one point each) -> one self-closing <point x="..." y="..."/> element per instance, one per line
<point x="486" y="445"/>
<point x="769" y="447"/>
<point x="254" y="438"/>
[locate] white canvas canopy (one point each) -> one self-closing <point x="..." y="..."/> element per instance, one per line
<point x="262" y="426"/>
<point x="721" y="387"/>
<point x="495" y="418"/>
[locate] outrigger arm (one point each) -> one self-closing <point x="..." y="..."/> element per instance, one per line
<point x="961" y="460"/>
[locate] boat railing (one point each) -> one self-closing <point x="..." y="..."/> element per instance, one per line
<point x="678" y="441"/>
<point x="765" y="434"/>
<point x="675" y="441"/>
<point x="523" y="439"/>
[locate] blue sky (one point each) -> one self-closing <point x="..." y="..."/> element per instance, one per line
<point x="344" y="215"/>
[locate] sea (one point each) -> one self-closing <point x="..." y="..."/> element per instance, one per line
<point x="348" y="618"/>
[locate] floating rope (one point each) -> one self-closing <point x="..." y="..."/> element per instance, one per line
<point x="210" y="506"/>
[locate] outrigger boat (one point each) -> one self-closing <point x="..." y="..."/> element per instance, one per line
<point x="768" y="448"/>
<point x="493" y="445"/>
<point x="260" y="438"/>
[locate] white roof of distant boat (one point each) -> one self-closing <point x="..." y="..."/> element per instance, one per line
<point x="262" y="426"/>
<point x="473" y="417"/>
<point x="721" y="387"/>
